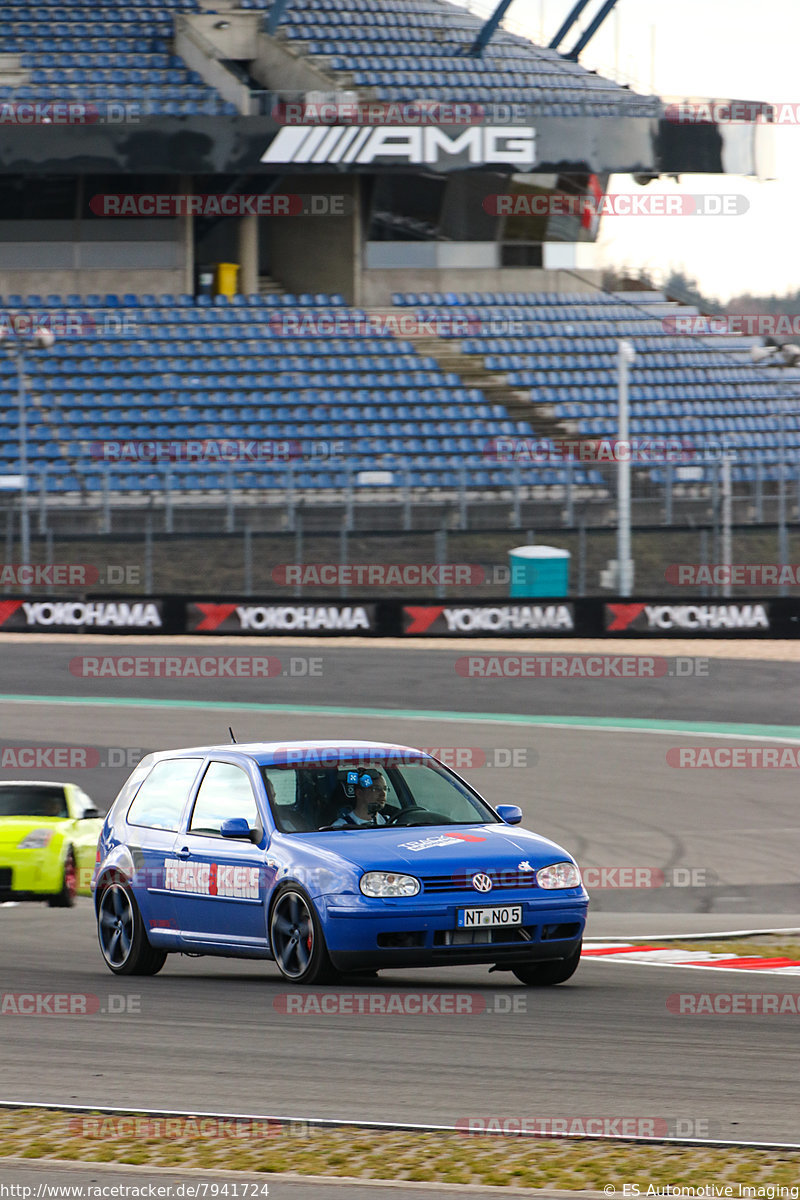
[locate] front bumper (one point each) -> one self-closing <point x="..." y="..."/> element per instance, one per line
<point x="408" y="933"/>
<point x="29" y="873"/>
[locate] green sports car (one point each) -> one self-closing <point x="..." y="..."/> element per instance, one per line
<point x="48" y="841"/>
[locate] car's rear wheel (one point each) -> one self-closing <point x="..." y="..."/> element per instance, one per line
<point x="120" y="929"/>
<point x="296" y="938"/>
<point x="548" y="973"/>
<point x="69" y="885"/>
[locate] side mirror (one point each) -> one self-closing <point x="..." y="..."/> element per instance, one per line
<point x="510" y="813"/>
<point x="236" y="827"/>
<point x="91" y="812"/>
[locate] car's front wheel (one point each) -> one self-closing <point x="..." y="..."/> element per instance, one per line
<point x="69" y="884"/>
<point x="296" y="938"/>
<point x="546" y="974"/>
<point x="120" y="929"/>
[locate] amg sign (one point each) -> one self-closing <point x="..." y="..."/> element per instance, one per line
<point x="362" y="145"/>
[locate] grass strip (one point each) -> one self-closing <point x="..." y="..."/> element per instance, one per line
<point x="764" y="946"/>
<point x="211" y="1143"/>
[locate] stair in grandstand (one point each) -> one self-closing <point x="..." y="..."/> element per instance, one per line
<point x="495" y="387"/>
<point x="12" y="72"/>
<point x="267" y="286"/>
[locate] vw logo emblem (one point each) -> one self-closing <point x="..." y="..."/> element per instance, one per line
<point x="482" y="883"/>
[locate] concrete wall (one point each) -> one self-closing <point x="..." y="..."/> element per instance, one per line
<point x="316" y="253"/>
<point x="377" y="286"/>
<point x="279" y="69"/>
<point x="200" y="46"/>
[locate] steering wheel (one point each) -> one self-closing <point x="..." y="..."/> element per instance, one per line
<point x="398" y="818"/>
<point x="434" y="818"/>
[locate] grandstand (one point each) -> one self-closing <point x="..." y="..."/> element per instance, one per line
<point x="537" y="364"/>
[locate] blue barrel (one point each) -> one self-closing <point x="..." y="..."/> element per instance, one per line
<point x="539" y="571"/>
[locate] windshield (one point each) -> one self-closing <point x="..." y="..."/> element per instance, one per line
<point x="371" y="794"/>
<point x="23" y="801"/>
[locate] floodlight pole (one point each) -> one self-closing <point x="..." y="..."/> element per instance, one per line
<point x="24" y="516"/>
<point x="625" y="356"/>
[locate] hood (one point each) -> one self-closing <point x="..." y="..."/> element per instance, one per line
<point x="440" y="849"/>
<point x="14" y="829"/>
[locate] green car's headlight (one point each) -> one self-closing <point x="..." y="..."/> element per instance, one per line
<point x="37" y="839"/>
<point x="559" y="875"/>
<point x="387" y="883"/>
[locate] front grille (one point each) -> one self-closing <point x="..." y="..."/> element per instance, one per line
<point x="461" y="881"/>
<point x="488" y="936"/>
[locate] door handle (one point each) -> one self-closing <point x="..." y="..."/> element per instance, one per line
<point x="184" y="852"/>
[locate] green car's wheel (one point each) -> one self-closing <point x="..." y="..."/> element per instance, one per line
<point x="69" y="885"/>
<point x="123" y="941"/>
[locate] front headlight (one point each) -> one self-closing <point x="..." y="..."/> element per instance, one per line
<point x="37" y="839"/>
<point x="386" y="883"/>
<point x="560" y="875"/>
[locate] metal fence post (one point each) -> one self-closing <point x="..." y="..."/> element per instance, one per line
<point x="43" y="500"/>
<point x="582" y="557"/>
<point x="406" y="498"/>
<point x="106" y="501"/>
<point x="462" y="497"/>
<point x="668" y="486"/>
<point x="247" y="546"/>
<point x="148" y="555"/>
<point x="169" y="526"/>
<point x="298" y="549"/>
<point x="229" y="513"/>
<point x="440" y="556"/>
<point x="758" y="498"/>
<point x="516" y="512"/>
<point x="704" y="556"/>
<point x="343" y="543"/>
<point x="48" y="556"/>
<point x="569" y="510"/>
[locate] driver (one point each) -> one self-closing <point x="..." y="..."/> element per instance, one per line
<point x="370" y="798"/>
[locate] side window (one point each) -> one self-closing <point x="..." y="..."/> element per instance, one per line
<point x="81" y="803"/>
<point x="224" y="793"/>
<point x="159" y="801"/>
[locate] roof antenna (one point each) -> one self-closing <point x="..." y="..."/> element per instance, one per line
<point x="233" y="738"/>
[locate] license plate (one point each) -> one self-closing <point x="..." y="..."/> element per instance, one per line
<point x="470" y="918"/>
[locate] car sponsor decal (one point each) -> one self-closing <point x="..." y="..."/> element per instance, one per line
<point x="483" y="619"/>
<point x="669" y="618"/>
<point x="443" y="839"/>
<point x="212" y="879"/>
<point x="279" y="618"/>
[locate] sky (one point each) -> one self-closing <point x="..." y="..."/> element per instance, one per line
<point x="701" y="48"/>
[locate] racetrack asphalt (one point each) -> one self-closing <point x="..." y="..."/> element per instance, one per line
<point x="207" y="1034"/>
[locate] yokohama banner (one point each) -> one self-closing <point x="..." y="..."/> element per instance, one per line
<point x="280" y="617"/>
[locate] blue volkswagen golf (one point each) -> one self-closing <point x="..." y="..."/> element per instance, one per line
<point x="328" y="857"/>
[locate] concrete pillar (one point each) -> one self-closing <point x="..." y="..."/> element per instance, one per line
<point x="247" y="249"/>
<point x="187" y="237"/>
